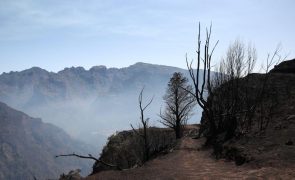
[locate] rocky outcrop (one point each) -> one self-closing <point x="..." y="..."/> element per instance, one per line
<point x="285" y="67"/>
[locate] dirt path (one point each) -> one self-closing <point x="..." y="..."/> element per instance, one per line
<point x="187" y="162"/>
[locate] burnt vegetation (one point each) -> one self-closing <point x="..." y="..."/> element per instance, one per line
<point x="143" y="131"/>
<point x="237" y="103"/>
<point x="126" y="148"/>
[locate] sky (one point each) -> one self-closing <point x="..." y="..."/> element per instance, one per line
<point x="54" y="34"/>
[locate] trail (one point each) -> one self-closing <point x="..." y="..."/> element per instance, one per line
<point x="188" y="162"/>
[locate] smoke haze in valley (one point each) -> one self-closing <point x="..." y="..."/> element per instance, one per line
<point x="91" y="104"/>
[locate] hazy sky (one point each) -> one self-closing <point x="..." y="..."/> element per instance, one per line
<point x="54" y="34"/>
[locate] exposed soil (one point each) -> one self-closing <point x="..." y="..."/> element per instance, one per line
<point x="189" y="161"/>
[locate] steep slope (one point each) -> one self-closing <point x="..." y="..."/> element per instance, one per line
<point x="261" y="130"/>
<point x="88" y="104"/>
<point x="28" y="147"/>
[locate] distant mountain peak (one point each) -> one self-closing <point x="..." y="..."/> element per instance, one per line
<point x="35" y="69"/>
<point x="98" y="68"/>
<point x="140" y="64"/>
<point x="73" y="69"/>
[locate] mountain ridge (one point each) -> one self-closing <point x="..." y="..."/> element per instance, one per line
<point x="137" y="64"/>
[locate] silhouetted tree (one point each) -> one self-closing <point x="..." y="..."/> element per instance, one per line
<point x="179" y="103"/>
<point x="201" y="80"/>
<point x="142" y="132"/>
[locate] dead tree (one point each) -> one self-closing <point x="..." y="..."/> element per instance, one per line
<point x="97" y="161"/>
<point x="202" y="80"/>
<point x="144" y="123"/>
<point x="232" y="88"/>
<point x="235" y="92"/>
<point x="266" y="108"/>
<point x="179" y="104"/>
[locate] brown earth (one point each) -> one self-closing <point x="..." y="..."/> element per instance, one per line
<point x="189" y="161"/>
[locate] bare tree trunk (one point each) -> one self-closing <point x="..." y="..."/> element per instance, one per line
<point x="199" y="93"/>
<point x="92" y="158"/>
<point x="144" y="123"/>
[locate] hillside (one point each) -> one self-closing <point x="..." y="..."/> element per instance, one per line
<point x="263" y="149"/>
<point x="264" y="133"/>
<point x="79" y="100"/>
<point x="28" y="147"/>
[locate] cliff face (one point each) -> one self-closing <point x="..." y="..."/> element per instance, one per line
<point x="28" y="147"/>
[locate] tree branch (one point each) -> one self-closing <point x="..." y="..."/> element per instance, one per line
<point x="88" y="157"/>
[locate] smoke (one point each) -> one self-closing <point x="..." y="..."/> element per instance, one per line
<point x="95" y="118"/>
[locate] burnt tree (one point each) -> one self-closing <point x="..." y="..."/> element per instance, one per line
<point x="143" y="130"/>
<point x="179" y="104"/>
<point x="201" y="79"/>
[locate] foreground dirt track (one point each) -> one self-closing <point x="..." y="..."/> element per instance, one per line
<point x="186" y="162"/>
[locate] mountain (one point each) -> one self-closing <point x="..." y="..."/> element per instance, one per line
<point x="38" y="86"/>
<point x="28" y="148"/>
<point x="89" y="104"/>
